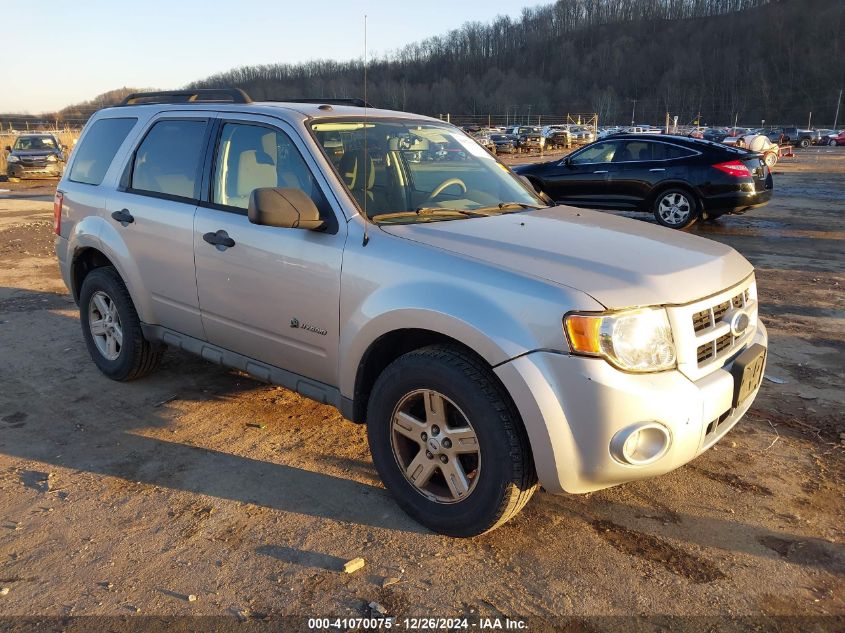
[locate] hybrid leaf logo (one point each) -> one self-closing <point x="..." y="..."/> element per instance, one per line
<point x="294" y="323"/>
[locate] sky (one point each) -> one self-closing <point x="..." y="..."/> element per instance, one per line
<point x="60" y="53"/>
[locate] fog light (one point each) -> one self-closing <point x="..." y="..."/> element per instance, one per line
<point x="640" y="444"/>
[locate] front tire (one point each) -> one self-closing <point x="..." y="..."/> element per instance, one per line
<point x="447" y="442"/>
<point x="804" y="143"/>
<point x="676" y="208"/>
<point x="112" y="329"/>
<point x="832" y="142"/>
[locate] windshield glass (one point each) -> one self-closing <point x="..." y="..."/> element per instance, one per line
<point x="34" y="142"/>
<point x="414" y="168"/>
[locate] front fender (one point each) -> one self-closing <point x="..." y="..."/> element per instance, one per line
<point x="395" y="284"/>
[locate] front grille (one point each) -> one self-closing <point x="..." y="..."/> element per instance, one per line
<point x="709" y="317"/>
<point x="702" y="331"/>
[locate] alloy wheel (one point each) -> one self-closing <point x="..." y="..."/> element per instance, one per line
<point x="674" y="208"/>
<point x="104" y="324"/>
<point x="435" y="446"/>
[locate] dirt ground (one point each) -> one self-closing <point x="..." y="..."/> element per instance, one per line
<point x="124" y="499"/>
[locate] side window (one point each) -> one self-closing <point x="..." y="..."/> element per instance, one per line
<point x="253" y="156"/>
<point x="632" y="151"/>
<point x="169" y="158"/>
<point x="675" y="151"/>
<point x="93" y="157"/>
<point x="598" y="153"/>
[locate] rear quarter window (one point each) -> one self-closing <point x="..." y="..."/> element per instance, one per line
<point x="96" y="152"/>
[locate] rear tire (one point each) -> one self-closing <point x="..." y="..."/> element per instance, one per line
<point x="676" y="208"/>
<point x="771" y="159"/>
<point x="447" y="442"/>
<point x="832" y="142"/>
<point x="112" y="329"/>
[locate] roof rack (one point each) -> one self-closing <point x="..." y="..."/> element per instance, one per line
<point x="204" y="95"/>
<point x="358" y="103"/>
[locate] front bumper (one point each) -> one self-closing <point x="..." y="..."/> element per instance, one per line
<point x="50" y="170"/>
<point x="573" y="407"/>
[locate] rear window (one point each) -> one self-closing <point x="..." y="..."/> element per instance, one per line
<point x="95" y="154"/>
<point x="168" y="160"/>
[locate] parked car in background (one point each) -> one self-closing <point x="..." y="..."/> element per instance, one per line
<point x="528" y="138"/>
<point x="677" y="178"/>
<point x="504" y="143"/>
<point x="36" y="155"/>
<point x="715" y="134"/>
<point x="557" y="136"/>
<point x="799" y="137"/>
<point x="486" y="142"/>
<point x="582" y="134"/>
<point x="836" y="139"/>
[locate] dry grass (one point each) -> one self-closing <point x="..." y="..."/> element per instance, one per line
<point x="66" y="137"/>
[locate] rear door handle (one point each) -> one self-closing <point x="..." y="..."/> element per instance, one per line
<point x="220" y="239"/>
<point x="600" y="171"/>
<point x="123" y="216"/>
<point x="658" y="169"/>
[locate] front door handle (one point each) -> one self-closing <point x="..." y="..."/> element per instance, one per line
<point x="600" y="171"/>
<point x="657" y="169"/>
<point x="123" y="216"/>
<point x="220" y="239"/>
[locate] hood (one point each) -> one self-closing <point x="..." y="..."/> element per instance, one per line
<point x="619" y="262"/>
<point x="34" y="153"/>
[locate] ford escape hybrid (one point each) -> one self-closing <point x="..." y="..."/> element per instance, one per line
<point x="490" y="343"/>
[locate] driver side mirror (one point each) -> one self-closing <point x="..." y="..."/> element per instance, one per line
<point x="566" y="162"/>
<point x="284" y="208"/>
<point x="9" y="148"/>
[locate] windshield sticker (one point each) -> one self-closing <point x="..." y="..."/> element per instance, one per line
<point x="471" y="146"/>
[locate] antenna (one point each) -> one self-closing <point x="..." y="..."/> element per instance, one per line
<point x="365" y="157"/>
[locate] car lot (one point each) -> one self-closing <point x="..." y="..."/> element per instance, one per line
<point x="126" y="498"/>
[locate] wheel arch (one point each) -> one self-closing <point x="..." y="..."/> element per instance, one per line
<point x="85" y="260"/>
<point x="390" y="346"/>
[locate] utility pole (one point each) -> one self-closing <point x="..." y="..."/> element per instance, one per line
<point x="836" y="118"/>
<point x="634" y="113"/>
<point x="809" y="121"/>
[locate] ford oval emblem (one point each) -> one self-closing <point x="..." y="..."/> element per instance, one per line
<point x="739" y="323"/>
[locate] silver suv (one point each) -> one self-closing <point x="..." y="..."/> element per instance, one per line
<point x="490" y="342"/>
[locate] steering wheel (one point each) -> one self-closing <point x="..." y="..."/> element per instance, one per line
<point x="442" y="187"/>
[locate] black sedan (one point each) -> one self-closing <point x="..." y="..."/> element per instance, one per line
<point x="679" y="179"/>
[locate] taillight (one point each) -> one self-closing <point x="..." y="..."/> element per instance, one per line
<point x="57" y="212"/>
<point x="734" y="168"/>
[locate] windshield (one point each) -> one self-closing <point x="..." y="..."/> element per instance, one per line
<point x="34" y="143"/>
<point x="419" y="171"/>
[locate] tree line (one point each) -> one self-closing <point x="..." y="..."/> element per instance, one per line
<point x="720" y="60"/>
<point x="725" y="59"/>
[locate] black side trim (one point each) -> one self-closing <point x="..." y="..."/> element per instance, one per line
<point x="313" y="389"/>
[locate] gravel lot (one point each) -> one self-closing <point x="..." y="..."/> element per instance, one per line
<point x="124" y="499"/>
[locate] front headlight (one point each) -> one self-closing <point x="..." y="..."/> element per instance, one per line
<point x="13" y="159"/>
<point x="52" y="158"/>
<point x="635" y="340"/>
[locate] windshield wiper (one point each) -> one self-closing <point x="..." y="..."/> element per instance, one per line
<point x="431" y="212"/>
<point x="508" y="207"/>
